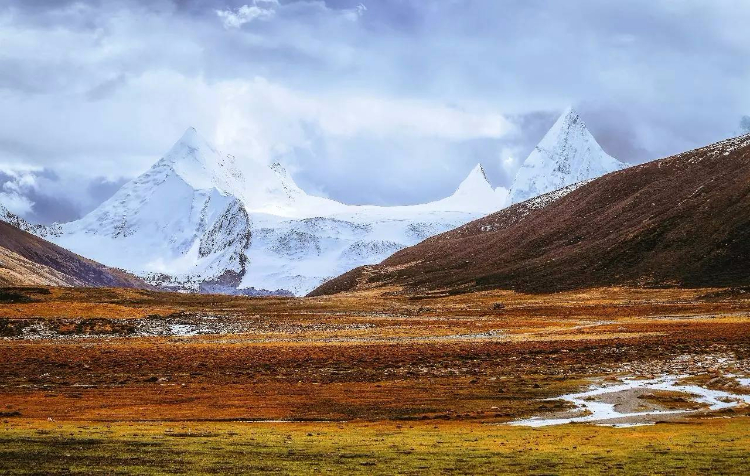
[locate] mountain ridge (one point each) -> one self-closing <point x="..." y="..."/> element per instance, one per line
<point x="199" y="219"/>
<point x="631" y="227"/>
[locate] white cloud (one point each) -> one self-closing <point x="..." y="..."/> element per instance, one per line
<point x="355" y="96"/>
<point x="378" y="116"/>
<point x="508" y="163"/>
<point x="259" y="10"/>
<point x="354" y="14"/>
<point x="261" y="119"/>
<point x="15" y="179"/>
<point x="15" y="202"/>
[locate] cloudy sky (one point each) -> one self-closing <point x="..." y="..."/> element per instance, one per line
<point x="386" y="102"/>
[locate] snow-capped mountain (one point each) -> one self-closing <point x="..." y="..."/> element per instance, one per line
<point x="196" y="220"/>
<point x="177" y="218"/>
<point x="567" y="154"/>
<point x="472" y="193"/>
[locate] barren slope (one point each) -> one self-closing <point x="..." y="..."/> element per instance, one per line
<point x="16" y="270"/>
<point x="682" y="221"/>
<point x="26" y="259"/>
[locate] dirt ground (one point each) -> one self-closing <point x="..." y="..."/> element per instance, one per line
<point x="103" y="356"/>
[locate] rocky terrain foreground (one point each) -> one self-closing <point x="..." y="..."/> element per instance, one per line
<point x="622" y="380"/>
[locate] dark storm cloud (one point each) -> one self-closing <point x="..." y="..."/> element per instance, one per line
<point x="44" y="196"/>
<point x="614" y="130"/>
<point x="48" y="209"/>
<point x="100" y="189"/>
<point x="102" y="88"/>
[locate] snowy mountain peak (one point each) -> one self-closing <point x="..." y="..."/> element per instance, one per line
<point x="191" y="146"/>
<point x="478" y="171"/>
<point x="190" y="136"/>
<point x="475" y="181"/>
<point x="568" y="122"/>
<point x="473" y="195"/>
<point x="567" y="154"/>
<point x="201" y="166"/>
<point x="278" y="168"/>
<point x="569" y="114"/>
<point x="283" y="189"/>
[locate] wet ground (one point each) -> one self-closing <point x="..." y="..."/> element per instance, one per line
<point x="633" y="401"/>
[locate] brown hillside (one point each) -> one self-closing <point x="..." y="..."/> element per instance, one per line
<point x="679" y="221"/>
<point x="26" y="259"/>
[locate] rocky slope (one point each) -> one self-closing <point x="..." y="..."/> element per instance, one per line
<point x="682" y="221"/>
<point x="26" y="259"/>
<point x="43" y="231"/>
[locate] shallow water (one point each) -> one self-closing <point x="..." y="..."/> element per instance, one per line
<point x="601" y="412"/>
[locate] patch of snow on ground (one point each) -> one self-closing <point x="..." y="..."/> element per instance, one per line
<point x="599" y="412"/>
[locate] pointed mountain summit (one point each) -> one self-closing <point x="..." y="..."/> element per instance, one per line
<point x="476" y="180"/>
<point x="187" y="177"/>
<point x="183" y="214"/>
<point x="474" y="194"/>
<point x="261" y="188"/>
<point x="200" y="165"/>
<point x="567" y="154"/>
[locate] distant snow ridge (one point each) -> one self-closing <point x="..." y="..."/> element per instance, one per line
<point x="197" y="221"/>
<point x="567" y="154"/>
<point x="42" y="231"/>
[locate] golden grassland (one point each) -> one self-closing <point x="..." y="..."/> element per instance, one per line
<point x="717" y="446"/>
<point x="376" y="382"/>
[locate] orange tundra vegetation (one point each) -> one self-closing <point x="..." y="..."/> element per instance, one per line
<point x="81" y="358"/>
